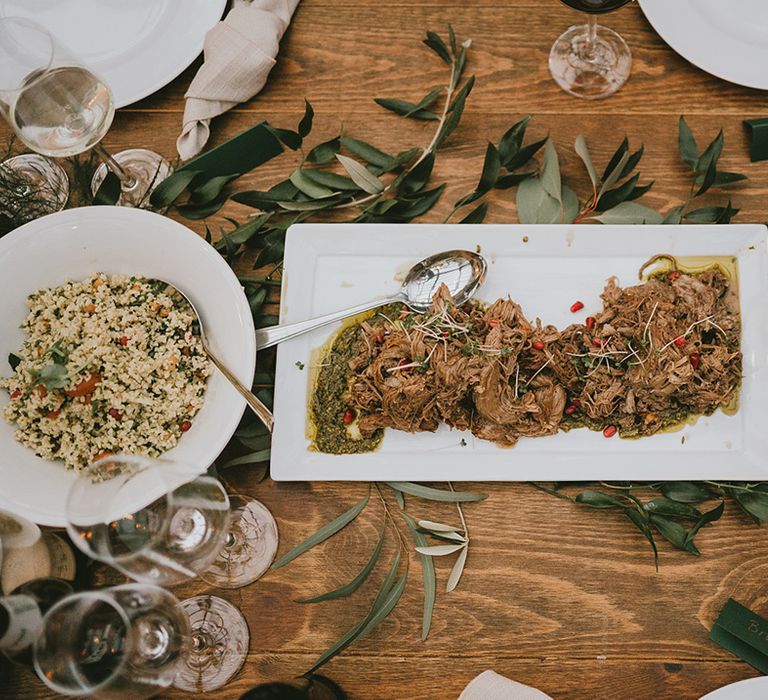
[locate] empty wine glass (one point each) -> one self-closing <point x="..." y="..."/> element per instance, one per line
<point x="131" y="641"/>
<point x="155" y="521"/>
<point x="59" y="108"/>
<point x="589" y="60"/>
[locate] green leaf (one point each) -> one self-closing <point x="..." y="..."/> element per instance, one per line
<point x="512" y="179"/>
<point x="201" y="211"/>
<point x="360" y="175"/>
<point x="613" y="176"/>
<point x="675" y="216"/>
<point x="305" y="125"/>
<point x="427" y="101"/>
<point x="405" y="109"/>
<point x="331" y="180"/>
<point x="324" y="152"/>
<point x="708" y="180"/>
<point x="439" y="550"/>
<point x="399" y="498"/>
<point x="710" y="215"/>
<point x="418" y="177"/>
<point x="512" y="141"/>
<point x="583" y="152"/>
<point x="723" y="178"/>
<point x="632" y="162"/>
<point x="619" y="155"/>
<point x="251" y="458"/>
<point x="629" y="213"/>
<point x="356" y="582"/>
<point x="308" y="186"/>
<point x="244" y="232"/>
<point x="436" y="43"/>
<point x="641" y="522"/>
<point x="257" y="199"/>
<point x="456" y="109"/>
<point x="671" y="509"/>
<point x="14" y="361"/>
<point x="433" y="494"/>
<point x="626" y="192"/>
<point x="312" y="205"/>
<point x="524" y="155"/>
<point x="326" y="531"/>
<point x="287" y="137"/>
<point x="169" y="189"/>
<point x="476" y="216"/>
<point x="686" y="492"/>
<point x="452" y="40"/>
<point x="272" y="247"/>
<point x="686" y="143"/>
<point x="370" y="154"/>
<point x="382" y="599"/>
<point x="457" y="570"/>
<point x="550" y="172"/>
<point x="387" y="605"/>
<point x="491" y="166"/>
<point x="436" y="527"/>
<point x="53" y="376"/>
<point x="109" y="190"/>
<point x="461" y="61"/>
<point x="674" y="533"/>
<point x="708" y="517"/>
<point x="428" y="576"/>
<point x="754" y="502"/>
<point x="708" y="159"/>
<point x="535" y="206"/>
<point x="210" y="189"/>
<point x="595" y="499"/>
<point x="411" y="206"/>
<point x="570" y="205"/>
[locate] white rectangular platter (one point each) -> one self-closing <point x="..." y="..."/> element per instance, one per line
<point x="545" y="269"/>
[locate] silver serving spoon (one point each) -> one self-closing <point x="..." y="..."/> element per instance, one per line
<point x="263" y="413"/>
<point x="460" y="270"/>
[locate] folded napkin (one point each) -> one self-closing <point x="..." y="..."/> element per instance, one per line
<point x="239" y="52"/>
<point x="489" y="685"/>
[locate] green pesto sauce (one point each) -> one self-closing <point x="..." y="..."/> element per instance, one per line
<point x="331" y="395"/>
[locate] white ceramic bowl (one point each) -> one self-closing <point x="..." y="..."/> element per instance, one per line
<point x="75" y="243"/>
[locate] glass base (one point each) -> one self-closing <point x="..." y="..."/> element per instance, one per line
<point x="146" y="168"/>
<point x="220" y="641"/>
<point x="591" y="71"/>
<point x="249" y="550"/>
<point x="32" y="186"/>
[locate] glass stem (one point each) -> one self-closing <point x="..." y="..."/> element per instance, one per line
<point x="591" y="34"/>
<point x="126" y="180"/>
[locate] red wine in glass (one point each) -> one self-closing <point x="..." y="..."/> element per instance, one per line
<point x="589" y="60"/>
<point x="595" y="6"/>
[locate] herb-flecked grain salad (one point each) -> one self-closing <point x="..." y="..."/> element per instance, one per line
<point x="110" y="364"/>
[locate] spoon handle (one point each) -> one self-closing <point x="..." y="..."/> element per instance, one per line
<point x="266" y="337"/>
<point x="263" y="413"/>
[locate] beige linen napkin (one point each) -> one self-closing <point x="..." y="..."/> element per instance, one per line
<point x="489" y="685"/>
<point x="239" y="53"/>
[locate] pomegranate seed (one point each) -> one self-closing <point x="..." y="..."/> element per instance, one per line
<point x="590" y="322"/>
<point x="378" y="337"/>
<point x="124" y="340"/>
<point x="609" y="431"/>
<point x="114" y="413"/>
<point x="571" y="408"/>
<point x="15" y="394"/>
<point x="446" y="334"/>
<point x="673" y="275"/>
<point x="185" y="425"/>
<point x="538" y="344"/>
<point x="403" y="363"/>
<point x="695" y="360"/>
<point x="597" y="342"/>
<point x="679" y="341"/>
<point x="576" y="306"/>
<point x="493" y="323"/>
<point x="53" y="414"/>
<point x="349" y="416"/>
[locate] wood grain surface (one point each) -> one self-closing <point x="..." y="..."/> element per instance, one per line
<point x="559" y="597"/>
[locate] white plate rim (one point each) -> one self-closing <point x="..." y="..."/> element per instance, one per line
<point x="159" y="66"/>
<point x="740" y="690"/>
<point x="696" y="47"/>
<point x="444" y="460"/>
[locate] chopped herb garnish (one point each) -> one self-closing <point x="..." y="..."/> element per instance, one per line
<point x="299" y="364"/>
<point x="14" y="361"/>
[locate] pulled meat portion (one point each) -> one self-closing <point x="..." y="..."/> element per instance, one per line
<point x="656" y="354"/>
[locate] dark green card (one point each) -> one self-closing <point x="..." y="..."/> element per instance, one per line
<point x="758" y="138"/>
<point x="744" y="633"/>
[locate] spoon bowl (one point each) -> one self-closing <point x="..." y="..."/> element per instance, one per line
<point x="462" y="272"/>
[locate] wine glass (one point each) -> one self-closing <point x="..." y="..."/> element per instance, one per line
<point x="133" y="640"/>
<point x="589" y="60"/>
<point x="59" y="108"/>
<point x="157" y="522"/>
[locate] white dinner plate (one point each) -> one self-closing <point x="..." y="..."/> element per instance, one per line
<point x="135" y="46"/>
<point x="727" y="38"/>
<point x="749" y="689"/>
<point x="75" y="243"/>
<point x="545" y="269"/>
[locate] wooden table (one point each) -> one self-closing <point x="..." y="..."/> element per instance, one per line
<point x="556" y="596"/>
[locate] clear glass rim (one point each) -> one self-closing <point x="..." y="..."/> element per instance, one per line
<point x="143" y="463"/>
<point x="43" y="71"/>
<point x="84" y="596"/>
